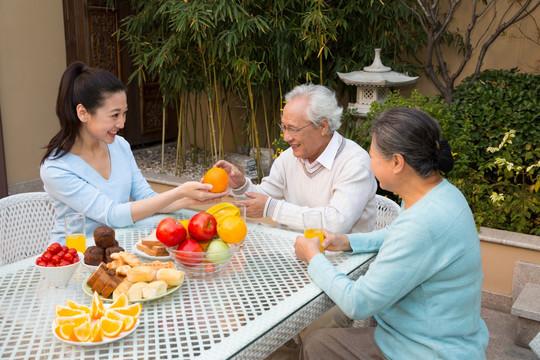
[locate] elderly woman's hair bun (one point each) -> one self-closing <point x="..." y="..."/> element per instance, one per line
<point x="445" y="160"/>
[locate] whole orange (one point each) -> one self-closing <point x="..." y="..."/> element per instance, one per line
<point x="218" y="178"/>
<point x="232" y="229"/>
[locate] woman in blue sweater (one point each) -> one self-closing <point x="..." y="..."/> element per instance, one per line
<point x="424" y="287"/>
<point x="88" y="168"/>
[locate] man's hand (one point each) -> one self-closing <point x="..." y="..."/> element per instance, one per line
<point x="236" y="177"/>
<point x="254" y="206"/>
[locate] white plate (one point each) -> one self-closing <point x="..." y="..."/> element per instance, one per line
<point x="106" y="340"/>
<point x="145" y="255"/>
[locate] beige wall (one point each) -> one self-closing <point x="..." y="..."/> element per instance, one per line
<point x="32" y="59"/>
<point x="510" y="50"/>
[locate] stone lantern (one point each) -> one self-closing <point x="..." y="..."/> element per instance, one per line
<point x="374" y="83"/>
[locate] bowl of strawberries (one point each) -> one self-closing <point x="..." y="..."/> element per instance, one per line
<point x="58" y="264"/>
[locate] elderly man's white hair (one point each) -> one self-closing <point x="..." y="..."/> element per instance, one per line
<point x="322" y="104"/>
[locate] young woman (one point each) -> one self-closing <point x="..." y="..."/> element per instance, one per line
<point x="424" y="287"/>
<point x="88" y="168"/>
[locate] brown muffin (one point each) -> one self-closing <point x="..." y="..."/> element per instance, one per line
<point x="104" y="236"/>
<point x="111" y="250"/>
<point x="94" y="255"/>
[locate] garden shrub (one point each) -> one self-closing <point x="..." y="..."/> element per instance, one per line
<point x="502" y="188"/>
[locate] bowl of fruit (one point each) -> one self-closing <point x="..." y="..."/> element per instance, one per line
<point x="58" y="264"/>
<point x="208" y="244"/>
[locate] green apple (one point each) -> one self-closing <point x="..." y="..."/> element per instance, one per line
<point x="217" y="251"/>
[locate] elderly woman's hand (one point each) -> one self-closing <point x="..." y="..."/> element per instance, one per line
<point x="306" y="248"/>
<point x="336" y="242"/>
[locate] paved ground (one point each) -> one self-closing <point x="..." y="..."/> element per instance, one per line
<point x="501" y="338"/>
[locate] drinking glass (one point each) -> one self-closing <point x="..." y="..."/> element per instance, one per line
<point x="313" y="226"/>
<point x="75" y="231"/>
<point x="242" y="208"/>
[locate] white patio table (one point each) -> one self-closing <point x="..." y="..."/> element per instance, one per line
<point x="261" y="300"/>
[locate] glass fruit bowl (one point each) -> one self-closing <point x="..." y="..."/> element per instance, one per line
<point x="204" y="264"/>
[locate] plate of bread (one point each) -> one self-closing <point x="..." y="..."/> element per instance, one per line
<point x="139" y="280"/>
<point x="151" y="248"/>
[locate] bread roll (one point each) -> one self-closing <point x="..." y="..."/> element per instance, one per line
<point x="135" y="291"/>
<point x="141" y="273"/>
<point x="172" y="277"/>
<point x="153" y="289"/>
<point x="123" y="287"/>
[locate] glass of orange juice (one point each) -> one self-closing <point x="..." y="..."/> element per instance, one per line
<point x="313" y="226"/>
<point x="75" y="231"/>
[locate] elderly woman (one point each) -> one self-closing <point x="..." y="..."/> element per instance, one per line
<point x="424" y="287"/>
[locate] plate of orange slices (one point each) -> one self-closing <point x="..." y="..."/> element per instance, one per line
<point x="98" y="324"/>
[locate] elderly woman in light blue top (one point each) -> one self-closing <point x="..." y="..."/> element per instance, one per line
<point x="88" y="168"/>
<point x="424" y="286"/>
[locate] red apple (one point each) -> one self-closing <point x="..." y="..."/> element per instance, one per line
<point x="202" y="226"/>
<point x="189" y="252"/>
<point x="170" y="232"/>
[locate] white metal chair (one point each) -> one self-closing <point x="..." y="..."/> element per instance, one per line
<point x="387" y="211"/>
<point x="26" y="221"/>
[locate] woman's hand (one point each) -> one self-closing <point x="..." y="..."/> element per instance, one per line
<point x="200" y="192"/>
<point x="236" y="177"/>
<point x="305" y="248"/>
<point x="336" y="242"/>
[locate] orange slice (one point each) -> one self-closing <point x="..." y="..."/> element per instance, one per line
<point x="129" y="321"/>
<point x="131" y="310"/>
<point x="97" y="310"/>
<point x="111" y="327"/>
<point x="120" y="302"/>
<point x="64" y="331"/>
<point x="74" y="305"/>
<point x="76" y="320"/>
<point x="82" y="332"/>
<point x="96" y="335"/>
<point x="66" y="311"/>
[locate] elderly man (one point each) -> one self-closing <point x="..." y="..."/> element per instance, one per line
<point x="321" y="169"/>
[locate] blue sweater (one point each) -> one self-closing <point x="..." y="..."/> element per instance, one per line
<point x="76" y="187"/>
<point x="424" y="287"/>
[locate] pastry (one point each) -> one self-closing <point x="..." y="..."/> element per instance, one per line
<point x="123" y="270"/>
<point x="94" y="255"/>
<point x="123" y="287"/>
<point x="153" y="289"/>
<point x="160" y="265"/>
<point x="172" y="277"/>
<point x="104" y="236"/>
<point x="135" y="291"/>
<point x="153" y="250"/>
<point x="130" y="259"/>
<point x="104" y="281"/>
<point x="141" y="273"/>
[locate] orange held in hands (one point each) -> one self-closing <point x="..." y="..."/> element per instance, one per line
<point x="218" y="178"/>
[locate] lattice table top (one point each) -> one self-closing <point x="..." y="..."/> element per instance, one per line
<point x="216" y="318"/>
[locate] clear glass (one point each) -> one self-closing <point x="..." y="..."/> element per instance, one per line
<point x="313" y="226"/>
<point x="75" y="231"/>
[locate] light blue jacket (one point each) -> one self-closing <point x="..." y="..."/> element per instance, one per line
<point x="424" y="287"/>
<point x="76" y="187"/>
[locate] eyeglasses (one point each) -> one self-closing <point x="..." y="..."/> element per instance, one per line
<point x="291" y="130"/>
